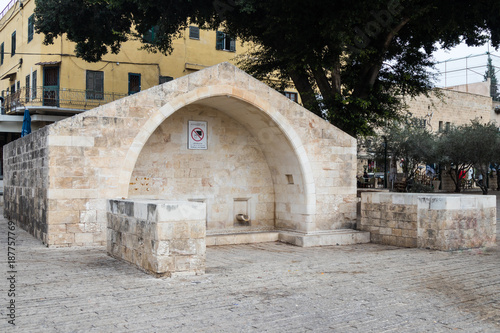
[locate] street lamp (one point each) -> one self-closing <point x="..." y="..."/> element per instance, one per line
<point x="385" y="161"/>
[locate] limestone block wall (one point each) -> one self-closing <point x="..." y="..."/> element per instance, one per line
<point x="435" y="221"/>
<point x="232" y="177"/>
<point x="164" y="238"/>
<point x="26" y="174"/>
<point x="391" y="218"/>
<point x="334" y="156"/>
<point x="455" y="107"/>
<point x="456" y="222"/>
<point x="96" y="155"/>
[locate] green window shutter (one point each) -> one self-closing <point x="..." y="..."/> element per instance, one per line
<point x="13" y="44"/>
<point x="233" y="45"/>
<point x="99" y="85"/>
<point x="219" y="41"/>
<point x="2" y="52"/>
<point x="95" y="85"/>
<point x="33" y="85"/>
<point x="30" y="28"/>
<point x="27" y="90"/>
<point x="194" y="32"/>
<point x="150" y="35"/>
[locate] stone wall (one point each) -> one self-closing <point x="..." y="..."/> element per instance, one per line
<point x="435" y="221"/>
<point x="455" y="107"/>
<point x="164" y="238"/>
<point x="456" y="222"/>
<point x="234" y="178"/>
<point x="390" y="218"/>
<point x="26" y="174"/>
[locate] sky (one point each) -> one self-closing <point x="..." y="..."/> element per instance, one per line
<point x="3" y="4"/>
<point x="464" y="64"/>
<point x="452" y="64"/>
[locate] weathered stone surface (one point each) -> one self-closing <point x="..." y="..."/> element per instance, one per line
<point x="167" y="243"/>
<point x="295" y="171"/>
<point x="26" y="178"/>
<point x="435" y="221"/>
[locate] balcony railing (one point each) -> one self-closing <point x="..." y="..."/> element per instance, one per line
<point x="57" y="98"/>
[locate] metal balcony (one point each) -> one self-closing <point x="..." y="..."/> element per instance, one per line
<point x="57" y="101"/>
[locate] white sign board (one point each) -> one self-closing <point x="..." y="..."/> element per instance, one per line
<point x="197" y="135"/>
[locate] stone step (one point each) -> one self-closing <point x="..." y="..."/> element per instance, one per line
<point x="337" y="237"/>
<point x="242" y="238"/>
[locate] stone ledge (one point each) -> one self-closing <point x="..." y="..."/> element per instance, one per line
<point x="336" y="237"/>
<point x="242" y="238"/>
<point x="436" y="221"/>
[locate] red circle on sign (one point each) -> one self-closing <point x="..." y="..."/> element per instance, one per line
<point x="197" y="134"/>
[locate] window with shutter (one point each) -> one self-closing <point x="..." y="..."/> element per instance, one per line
<point x="2" y="53"/>
<point x="27" y="93"/>
<point x="219" y="41"/>
<point x="194" y="32"/>
<point x="30" y="28"/>
<point x="95" y="85"/>
<point x="33" y="85"/>
<point x="150" y="35"/>
<point x="13" y="44"/>
<point x="225" y="42"/>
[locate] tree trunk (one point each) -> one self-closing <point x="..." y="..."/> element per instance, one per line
<point x="455" y="179"/>
<point x="498" y="178"/>
<point x="306" y="91"/>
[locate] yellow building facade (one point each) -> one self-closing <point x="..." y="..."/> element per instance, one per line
<point x="52" y="83"/>
<point x="56" y="68"/>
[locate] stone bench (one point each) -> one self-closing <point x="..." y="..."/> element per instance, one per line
<point x="164" y="238"/>
<point x="434" y="221"/>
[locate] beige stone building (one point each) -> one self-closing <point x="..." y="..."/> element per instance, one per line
<point x="443" y="108"/>
<point x="453" y="106"/>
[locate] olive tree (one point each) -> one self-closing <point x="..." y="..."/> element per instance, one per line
<point x="474" y="145"/>
<point x="411" y="144"/>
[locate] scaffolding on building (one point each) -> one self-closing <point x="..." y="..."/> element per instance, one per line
<point x="466" y="70"/>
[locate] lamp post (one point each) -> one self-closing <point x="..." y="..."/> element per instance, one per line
<point x="385" y="161"/>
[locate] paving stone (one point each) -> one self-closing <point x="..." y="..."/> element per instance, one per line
<point x="267" y="287"/>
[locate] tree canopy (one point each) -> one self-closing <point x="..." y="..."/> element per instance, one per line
<point x="475" y="145"/>
<point x="412" y="145"/>
<point x="491" y="74"/>
<point x="350" y="61"/>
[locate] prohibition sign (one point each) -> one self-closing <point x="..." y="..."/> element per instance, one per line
<point x="197" y="134"/>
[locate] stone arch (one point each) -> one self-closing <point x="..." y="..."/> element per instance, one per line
<point x="295" y="203"/>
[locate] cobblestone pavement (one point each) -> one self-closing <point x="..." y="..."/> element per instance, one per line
<point x="269" y="287"/>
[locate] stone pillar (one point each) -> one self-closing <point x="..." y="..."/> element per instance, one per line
<point x="163" y="238"/>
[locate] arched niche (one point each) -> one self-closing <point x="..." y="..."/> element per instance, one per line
<point x="253" y="160"/>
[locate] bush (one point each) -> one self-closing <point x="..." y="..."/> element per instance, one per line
<point x="419" y="188"/>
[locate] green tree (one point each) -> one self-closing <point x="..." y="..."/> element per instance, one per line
<point x="350" y="61"/>
<point x="412" y="145"/>
<point x="491" y="74"/>
<point x="470" y="146"/>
